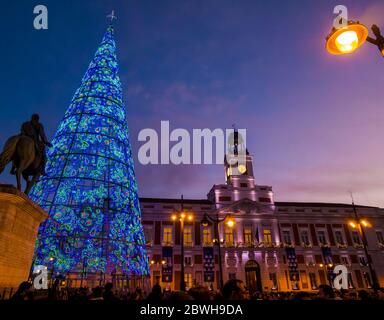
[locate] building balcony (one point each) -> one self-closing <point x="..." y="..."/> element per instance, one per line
<point x="342" y="245"/>
<point x="267" y="245"/>
<point x="167" y="243"/>
<point x="229" y="244"/>
<point x="306" y="245"/>
<point x="358" y="246"/>
<point x="188" y="244"/>
<point x="287" y="245"/>
<point x="381" y="245"/>
<point x="324" y="245"/>
<point x="247" y="244"/>
<point x="207" y="244"/>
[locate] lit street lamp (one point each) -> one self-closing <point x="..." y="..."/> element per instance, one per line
<point x="52" y="259"/>
<point x="349" y="38"/>
<point x="360" y="224"/>
<point x="216" y="220"/>
<point x="327" y="269"/>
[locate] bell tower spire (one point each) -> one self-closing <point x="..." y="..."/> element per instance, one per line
<point x="238" y="162"/>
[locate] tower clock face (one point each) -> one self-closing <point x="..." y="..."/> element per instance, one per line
<point x="241" y="168"/>
<point x="236" y="170"/>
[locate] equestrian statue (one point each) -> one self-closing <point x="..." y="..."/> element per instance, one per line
<point x="27" y="153"/>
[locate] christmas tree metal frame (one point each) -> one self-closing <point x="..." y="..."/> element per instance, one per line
<point x="90" y="190"/>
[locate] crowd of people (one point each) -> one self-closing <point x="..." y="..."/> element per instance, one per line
<point x="232" y="290"/>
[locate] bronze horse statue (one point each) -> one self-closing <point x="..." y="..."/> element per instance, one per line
<point x="27" y="161"/>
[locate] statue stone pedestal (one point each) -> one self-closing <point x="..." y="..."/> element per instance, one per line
<point x="19" y="222"/>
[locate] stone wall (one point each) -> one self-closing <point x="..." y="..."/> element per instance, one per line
<point x="19" y="222"/>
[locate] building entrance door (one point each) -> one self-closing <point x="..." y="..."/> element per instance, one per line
<point x="253" y="276"/>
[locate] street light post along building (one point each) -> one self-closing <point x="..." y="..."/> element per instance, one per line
<point x="215" y="219"/>
<point x="181" y="216"/>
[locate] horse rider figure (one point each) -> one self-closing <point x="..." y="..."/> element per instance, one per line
<point x="35" y="130"/>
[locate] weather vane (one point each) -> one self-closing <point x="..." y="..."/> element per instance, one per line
<point x="112" y="16"/>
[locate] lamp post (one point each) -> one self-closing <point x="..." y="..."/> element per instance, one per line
<point x="181" y="215"/>
<point x="216" y="221"/>
<point x="327" y="267"/>
<point x="52" y="259"/>
<point x="359" y="224"/>
<point x="349" y="38"/>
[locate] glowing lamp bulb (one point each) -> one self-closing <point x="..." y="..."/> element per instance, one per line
<point x="347" y="41"/>
<point x="230" y="223"/>
<point x="364" y="223"/>
<point x="352" y="224"/>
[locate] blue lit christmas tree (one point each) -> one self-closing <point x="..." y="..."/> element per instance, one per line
<point x="90" y="191"/>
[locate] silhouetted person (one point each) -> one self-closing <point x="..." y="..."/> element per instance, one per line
<point x="155" y="294"/>
<point x="200" y="293"/>
<point x="325" y="292"/>
<point x="364" y="295"/>
<point x="97" y="293"/>
<point x="234" y="289"/>
<point x="54" y="290"/>
<point x="108" y="293"/>
<point x="23" y="292"/>
<point x="302" y="296"/>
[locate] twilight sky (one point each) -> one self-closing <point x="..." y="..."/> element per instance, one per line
<point x="315" y="122"/>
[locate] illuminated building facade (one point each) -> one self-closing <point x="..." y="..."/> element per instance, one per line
<point x="272" y="246"/>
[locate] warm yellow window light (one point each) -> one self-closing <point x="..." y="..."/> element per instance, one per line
<point x="190" y="217"/>
<point x="174" y="217"/>
<point x="346" y="39"/>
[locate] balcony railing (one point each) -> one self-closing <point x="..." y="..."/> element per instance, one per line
<point x="342" y="245"/>
<point x="358" y="245"/>
<point x="324" y="244"/>
<point x="306" y="245"/>
<point x="167" y="243"/>
<point x="287" y="245"/>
